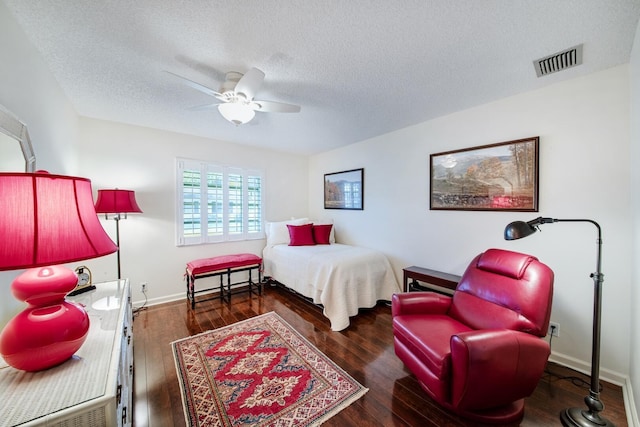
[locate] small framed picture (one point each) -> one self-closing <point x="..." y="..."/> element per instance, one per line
<point x="344" y="190"/>
<point x="495" y="177"/>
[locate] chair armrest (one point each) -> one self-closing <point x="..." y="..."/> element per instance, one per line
<point x="419" y="303"/>
<point x="495" y="367"/>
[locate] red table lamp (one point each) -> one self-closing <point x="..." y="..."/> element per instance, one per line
<point x="117" y="202"/>
<point x="46" y="220"/>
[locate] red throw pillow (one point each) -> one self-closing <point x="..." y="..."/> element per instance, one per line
<point x="321" y="233"/>
<point x="301" y="235"/>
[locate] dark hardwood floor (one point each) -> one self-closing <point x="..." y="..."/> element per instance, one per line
<point x="365" y="350"/>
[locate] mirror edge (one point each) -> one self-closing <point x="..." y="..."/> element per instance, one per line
<point x="14" y="128"/>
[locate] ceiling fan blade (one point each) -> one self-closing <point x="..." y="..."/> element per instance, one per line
<point x="205" y="107"/>
<point x="274" y="107"/>
<point x="197" y="86"/>
<point x="249" y="84"/>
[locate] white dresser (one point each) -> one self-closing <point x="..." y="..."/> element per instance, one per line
<point x="94" y="387"/>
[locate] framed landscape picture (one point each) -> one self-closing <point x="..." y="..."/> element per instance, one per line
<point x="495" y="177"/>
<point x="344" y="190"/>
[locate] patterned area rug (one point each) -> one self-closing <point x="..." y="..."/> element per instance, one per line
<point x="259" y="372"/>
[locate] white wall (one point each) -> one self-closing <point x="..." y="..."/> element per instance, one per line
<point x="635" y="189"/>
<point x="28" y="90"/>
<point x="583" y="126"/>
<point x="141" y="159"/>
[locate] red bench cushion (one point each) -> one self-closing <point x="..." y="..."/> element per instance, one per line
<point x="206" y="265"/>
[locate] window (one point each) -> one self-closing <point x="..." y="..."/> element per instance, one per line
<point x="217" y="203"/>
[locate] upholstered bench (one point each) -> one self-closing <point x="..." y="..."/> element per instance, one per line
<point x="221" y="266"/>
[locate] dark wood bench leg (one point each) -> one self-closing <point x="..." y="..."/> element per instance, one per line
<point x="187" y="276"/>
<point x="191" y="294"/>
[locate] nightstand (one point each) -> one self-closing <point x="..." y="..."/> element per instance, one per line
<point x="94" y="387"/>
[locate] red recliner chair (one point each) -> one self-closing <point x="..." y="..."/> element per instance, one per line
<point x="480" y="352"/>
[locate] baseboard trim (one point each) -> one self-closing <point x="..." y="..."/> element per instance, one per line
<point x="581" y="366"/>
<point x="167" y="298"/>
<point x="606" y="375"/>
<point x="629" y="404"/>
<point x="160" y="300"/>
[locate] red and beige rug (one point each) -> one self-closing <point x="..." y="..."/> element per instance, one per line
<point x="259" y="372"/>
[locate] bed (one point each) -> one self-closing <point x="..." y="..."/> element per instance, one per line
<point x="342" y="278"/>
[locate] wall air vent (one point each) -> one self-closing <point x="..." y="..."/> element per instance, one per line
<point x="559" y="61"/>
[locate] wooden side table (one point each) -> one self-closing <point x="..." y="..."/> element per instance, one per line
<point x="429" y="277"/>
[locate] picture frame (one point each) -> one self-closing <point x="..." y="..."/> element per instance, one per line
<point x="344" y="190"/>
<point x="497" y="177"/>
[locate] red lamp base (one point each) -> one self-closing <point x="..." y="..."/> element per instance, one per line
<point x="50" y="330"/>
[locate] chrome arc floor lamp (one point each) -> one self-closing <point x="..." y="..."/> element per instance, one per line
<point x="578" y="417"/>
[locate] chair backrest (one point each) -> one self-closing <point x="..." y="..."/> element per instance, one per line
<point x="505" y="290"/>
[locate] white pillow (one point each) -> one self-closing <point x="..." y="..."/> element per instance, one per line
<point x="278" y="233"/>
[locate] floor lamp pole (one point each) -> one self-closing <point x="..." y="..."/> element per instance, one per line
<point x="591" y="417"/>
<point x="116" y="218"/>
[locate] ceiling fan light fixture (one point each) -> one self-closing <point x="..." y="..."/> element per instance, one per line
<point x="236" y="103"/>
<point x="236" y="112"/>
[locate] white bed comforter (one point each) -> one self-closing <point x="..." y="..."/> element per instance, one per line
<point x="342" y="278"/>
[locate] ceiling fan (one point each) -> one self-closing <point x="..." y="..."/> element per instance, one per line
<point x="236" y="103"/>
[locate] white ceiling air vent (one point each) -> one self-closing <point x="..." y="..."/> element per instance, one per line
<point x="559" y="61"/>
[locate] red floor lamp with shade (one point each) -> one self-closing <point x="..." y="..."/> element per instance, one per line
<point x="117" y="202"/>
<point x="46" y="220"/>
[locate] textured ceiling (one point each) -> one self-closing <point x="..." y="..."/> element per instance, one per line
<point x="358" y="68"/>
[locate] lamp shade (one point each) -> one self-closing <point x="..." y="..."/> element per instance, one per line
<point x="48" y="219"/>
<point x="117" y="201"/>
<point x="518" y="230"/>
<point x="236" y="112"/>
